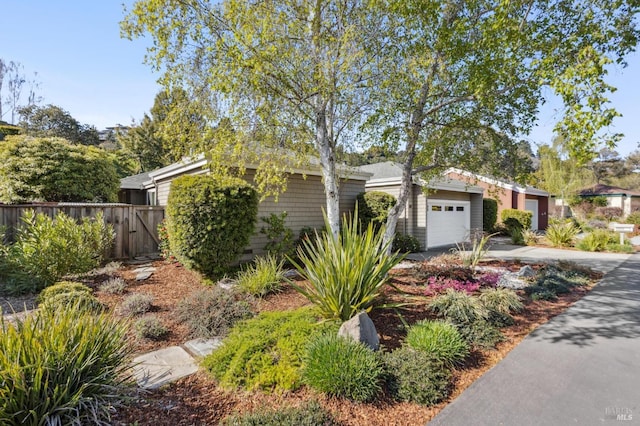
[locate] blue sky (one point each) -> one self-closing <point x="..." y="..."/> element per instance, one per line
<point x="86" y="68"/>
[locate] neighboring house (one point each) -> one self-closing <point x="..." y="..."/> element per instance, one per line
<point x="304" y="199"/>
<point x="449" y="214"/>
<point x="510" y="196"/>
<point x="132" y="190"/>
<point x="627" y="200"/>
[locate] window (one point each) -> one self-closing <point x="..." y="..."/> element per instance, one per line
<point x="460" y="208"/>
<point x="436" y="208"/>
<point x="448" y="208"/>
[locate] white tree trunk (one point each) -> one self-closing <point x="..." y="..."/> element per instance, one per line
<point x="330" y="179"/>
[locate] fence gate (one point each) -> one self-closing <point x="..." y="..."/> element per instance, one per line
<point x="136" y="227"/>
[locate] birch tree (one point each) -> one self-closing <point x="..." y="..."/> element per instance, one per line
<point x="288" y="74"/>
<point x="470" y="72"/>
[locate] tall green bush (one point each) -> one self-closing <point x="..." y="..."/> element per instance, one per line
<point x="489" y="214"/>
<point x="374" y="208"/>
<point x="210" y="221"/>
<point x="62" y="367"/>
<point x="48" y="249"/>
<point x="345" y="274"/>
<point x="52" y="169"/>
<point x="514" y="218"/>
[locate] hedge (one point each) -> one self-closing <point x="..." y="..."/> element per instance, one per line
<point x="489" y="214"/>
<point x="210" y="221"/>
<point x="373" y="207"/>
<point x="517" y="218"/>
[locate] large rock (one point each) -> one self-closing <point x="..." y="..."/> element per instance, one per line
<point x="526" y="272"/>
<point x="361" y="329"/>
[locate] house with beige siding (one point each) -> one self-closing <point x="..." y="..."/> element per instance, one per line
<point x="510" y="196"/>
<point x="303" y="200"/>
<point x="438" y="213"/>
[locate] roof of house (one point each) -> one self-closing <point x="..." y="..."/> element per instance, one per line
<point x="390" y="173"/>
<point x="607" y="190"/>
<point x="188" y="164"/>
<point x="524" y="189"/>
<point x="135" y="181"/>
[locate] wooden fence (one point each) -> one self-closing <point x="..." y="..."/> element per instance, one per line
<point x="136" y="227"/>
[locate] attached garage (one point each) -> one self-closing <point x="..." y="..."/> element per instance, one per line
<point x="449" y="214"/>
<point x="448" y="222"/>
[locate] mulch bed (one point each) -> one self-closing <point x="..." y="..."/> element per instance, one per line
<point x="196" y="400"/>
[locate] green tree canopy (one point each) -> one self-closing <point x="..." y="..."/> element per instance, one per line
<point x="52" y="169"/>
<point x="53" y="121"/>
<point x="440" y="79"/>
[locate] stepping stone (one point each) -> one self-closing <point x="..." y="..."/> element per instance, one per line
<point x="202" y="347"/>
<point x="143" y="276"/>
<point x="145" y="268"/>
<point x="163" y="366"/>
<point x="226" y="283"/>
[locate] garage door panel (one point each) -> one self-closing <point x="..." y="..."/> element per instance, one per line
<point x="448" y="222"/>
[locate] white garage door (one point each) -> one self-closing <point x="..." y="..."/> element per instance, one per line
<point x="448" y="222"/>
<point x="532" y="206"/>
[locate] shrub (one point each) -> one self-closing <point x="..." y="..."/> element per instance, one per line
<point x="634" y="218"/>
<point x="280" y="237"/>
<point x="345" y="273"/>
<point x="529" y="237"/>
<point x="561" y="234"/>
<point x="437" y="285"/>
<point x="48" y="249"/>
<point x="136" y="304"/>
<point x="114" y="285"/>
<point x="440" y="340"/>
<point x="263" y="277"/>
<point x="517" y="235"/>
<point x="374" y="208"/>
<point x="62" y="367"/>
<point x="265" y="352"/>
<point x="150" y="327"/>
<point x="596" y="240"/>
<point x="458" y="307"/>
<point x="163" y="237"/>
<point x="597" y="224"/>
<point x="514" y="218"/>
<point x="473" y="255"/>
<point x="61" y="288"/>
<point x="610" y="213"/>
<point x="619" y="248"/>
<point x="481" y="334"/>
<point x="218" y="310"/>
<point x="342" y="367"/>
<point x="206" y="231"/>
<point x="310" y="414"/>
<point x="52" y="169"/>
<point x="405" y="243"/>
<point x="489" y="214"/>
<point x="414" y="377"/>
<point x="501" y="300"/>
<point x="82" y="300"/>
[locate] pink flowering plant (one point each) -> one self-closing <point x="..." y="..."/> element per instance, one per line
<point x="439" y="284"/>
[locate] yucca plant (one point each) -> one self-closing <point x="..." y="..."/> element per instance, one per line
<point x="476" y="252"/>
<point x="561" y="234"/>
<point x="345" y="273"/>
<point x="62" y="367"/>
<point x="263" y="277"/>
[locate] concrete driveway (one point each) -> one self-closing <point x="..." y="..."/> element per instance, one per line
<point x="582" y="367"/>
<point x="499" y="249"/>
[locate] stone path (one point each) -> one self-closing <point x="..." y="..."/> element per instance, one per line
<point x="158" y="368"/>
